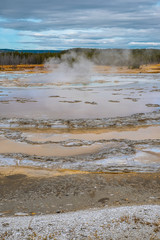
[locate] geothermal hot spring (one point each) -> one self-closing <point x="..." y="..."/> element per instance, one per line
<point x="81" y="118"/>
<point x="76" y="138"/>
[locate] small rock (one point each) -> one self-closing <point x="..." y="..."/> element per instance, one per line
<point x="103" y="200"/>
<point x="5" y="224"/>
<point x="58" y="211"/>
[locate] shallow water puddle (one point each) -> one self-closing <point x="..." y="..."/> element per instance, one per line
<point x="132" y="133"/>
<point x="79" y="151"/>
<point x="126" y="95"/>
<point x="148" y="156"/>
<point x="10" y="146"/>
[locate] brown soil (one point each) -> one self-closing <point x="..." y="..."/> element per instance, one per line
<point x="42" y="194"/>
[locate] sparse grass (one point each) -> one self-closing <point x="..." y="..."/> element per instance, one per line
<point x="125" y="219"/>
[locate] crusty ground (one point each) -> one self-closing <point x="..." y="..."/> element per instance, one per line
<point x="130" y="222"/>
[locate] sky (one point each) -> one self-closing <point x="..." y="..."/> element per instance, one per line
<point x="64" y="24"/>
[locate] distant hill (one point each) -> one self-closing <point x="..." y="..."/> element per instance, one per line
<point x="7" y="50"/>
<point x="30" y="51"/>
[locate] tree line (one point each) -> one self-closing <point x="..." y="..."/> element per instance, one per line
<point x="16" y="58"/>
<point x="132" y="58"/>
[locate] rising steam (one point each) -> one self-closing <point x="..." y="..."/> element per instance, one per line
<point x="71" y="68"/>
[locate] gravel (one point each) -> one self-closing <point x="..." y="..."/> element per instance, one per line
<point x="129" y="222"/>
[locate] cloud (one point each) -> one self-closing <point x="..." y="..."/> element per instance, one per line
<point x="145" y="43"/>
<point x="85" y="23"/>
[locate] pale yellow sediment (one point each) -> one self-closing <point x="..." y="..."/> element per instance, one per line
<point x="33" y="68"/>
<point x="37" y="172"/>
<point x="149" y="68"/>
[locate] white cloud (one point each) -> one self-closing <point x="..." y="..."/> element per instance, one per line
<point x="145" y="43"/>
